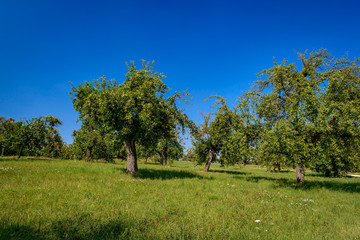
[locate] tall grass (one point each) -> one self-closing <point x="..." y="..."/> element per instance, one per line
<point x="59" y="199"/>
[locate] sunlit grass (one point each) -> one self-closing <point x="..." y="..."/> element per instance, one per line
<point x="53" y="199"/>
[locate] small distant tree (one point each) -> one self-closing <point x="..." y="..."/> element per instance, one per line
<point x="214" y="133"/>
<point x="169" y="148"/>
<point x="89" y="144"/>
<point x="6" y="131"/>
<point x="189" y="155"/>
<point x="21" y="137"/>
<point x="67" y="151"/>
<point x="53" y="141"/>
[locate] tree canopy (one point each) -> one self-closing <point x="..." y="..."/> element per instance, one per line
<point x="310" y="114"/>
<point x="137" y="110"/>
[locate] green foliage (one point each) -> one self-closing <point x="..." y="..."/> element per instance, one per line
<point x="214" y="134"/>
<point x="53" y="141"/>
<point x="133" y="109"/>
<point x="242" y="141"/>
<point x="38" y="136"/>
<point x="90" y="144"/>
<point x="6" y="131"/>
<point x="309" y="116"/>
<point x="137" y="110"/>
<point x="190" y="155"/>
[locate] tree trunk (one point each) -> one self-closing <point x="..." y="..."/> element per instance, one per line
<point x="131" y="157"/>
<point x="165" y="158"/>
<point x="211" y="155"/>
<point x="327" y="173"/>
<point x="300" y="174"/>
<point x="20" y="152"/>
<point x="161" y="158"/>
<point x="2" y="151"/>
<point x="335" y="168"/>
<point x="88" y="155"/>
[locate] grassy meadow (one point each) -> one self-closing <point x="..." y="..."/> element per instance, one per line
<point x="63" y="199"/>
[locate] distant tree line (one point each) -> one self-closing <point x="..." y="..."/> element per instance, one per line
<point x="299" y="115"/>
<point x="35" y="137"/>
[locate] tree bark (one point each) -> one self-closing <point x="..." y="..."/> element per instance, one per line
<point x="210" y="158"/>
<point x="131" y="157"/>
<point x="327" y="173"/>
<point x="88" y="155"/>
<point x="300" y="174"/>
<point x="2" y="151"/>
<point x="161" y="158"/>
<point x="165" y="158"/>
<point x="20" y="152"/>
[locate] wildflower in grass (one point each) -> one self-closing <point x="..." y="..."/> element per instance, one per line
<point x="6" y="168"/>
<point x="257" y="221"/>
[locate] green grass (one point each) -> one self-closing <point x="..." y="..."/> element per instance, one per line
<point x="59" y="199"/>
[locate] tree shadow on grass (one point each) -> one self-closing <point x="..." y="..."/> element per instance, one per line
<point x="82" y="228"/>
<point x="229" y="172"/>
<point x="19" y="232"/>
<point x="151" y="163"/>
<point x="315" y="174"/>
<point x="283" y="171"/>
<point x="165" y="174"/>
<point x="352" y="187"/>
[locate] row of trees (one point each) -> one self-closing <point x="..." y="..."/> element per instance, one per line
<point x="295" y="115"/>
<point x="305" y="116"/>
<point x="38" y="136"/>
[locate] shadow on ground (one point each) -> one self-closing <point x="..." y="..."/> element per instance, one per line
<point x="164" y="174"/>
<point x="82" y="228"/>
<point x="229" y="172"/>
<point x="352" y="187"/>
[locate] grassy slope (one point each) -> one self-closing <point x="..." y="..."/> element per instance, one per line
<point x="50" y="199"/>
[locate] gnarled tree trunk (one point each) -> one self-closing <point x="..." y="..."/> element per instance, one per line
<point x="210" y="158"/>
<point x="165" y="158"/>
<point x="88" y="155"/>
<point x="131" y="157"/>
<point x="20" y="152"/>
<point x="300" y="174"/>
<point x="161" y="158"/>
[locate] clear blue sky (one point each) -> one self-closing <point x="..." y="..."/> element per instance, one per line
<point x="207" y="47"/>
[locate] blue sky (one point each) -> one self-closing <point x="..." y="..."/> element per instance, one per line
<point x="205" y="47"/>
